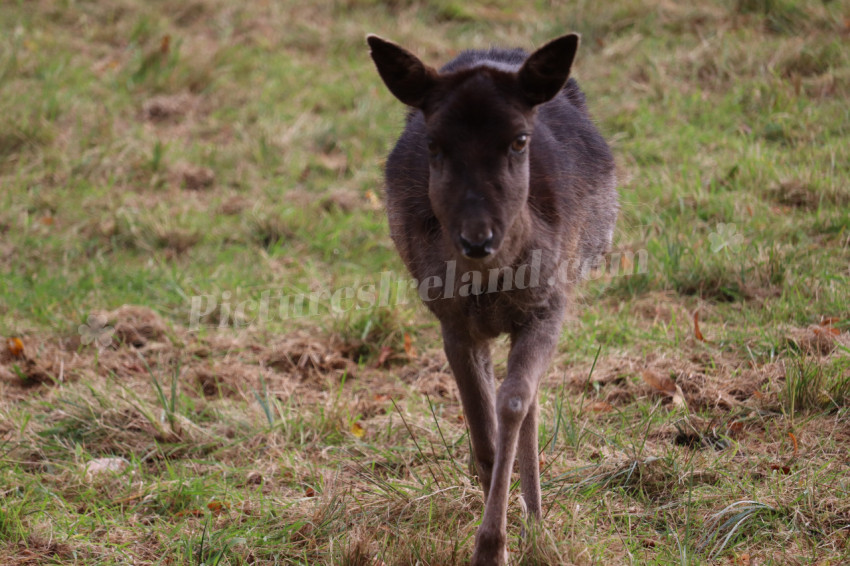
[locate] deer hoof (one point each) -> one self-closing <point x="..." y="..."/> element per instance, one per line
<point x="490" y="549"/>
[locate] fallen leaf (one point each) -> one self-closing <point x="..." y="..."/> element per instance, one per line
<point x="382" y="397"/>
<point x="310" y="492"/>
<point x="777" y="468"/>
<point x="217" y="507"/>
<point x="383" y="356"/>
<point x="829" y="320"/>
<point x="374" y="201"/>
<point x="15" y="347"/>
<point x="825" y="330"/>
<point x="46" y="220"/>
<point x="697" y="332"/>
<point x="679" y="397"/>
<point x="744" y="559"/>
<point x="658" y="382"/>
<point x="793" y="440"/>
<point x="736" y="427"/>
<point x="190" y="513"/>
<point x="600" y="407"/>
<point x="165" y="44"/>
<point x="408" y="346"/>
<point x="358" y="430"/>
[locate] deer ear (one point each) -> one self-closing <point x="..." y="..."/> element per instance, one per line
<point x="546" y="71"/>
<point x="408" y="78"/>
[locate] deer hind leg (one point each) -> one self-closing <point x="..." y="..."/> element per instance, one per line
<point x="529" y="463"/>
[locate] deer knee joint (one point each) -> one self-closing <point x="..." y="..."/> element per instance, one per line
<point x="513" y="407"/>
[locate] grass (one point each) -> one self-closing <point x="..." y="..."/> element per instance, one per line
<point x="152" y="153"/>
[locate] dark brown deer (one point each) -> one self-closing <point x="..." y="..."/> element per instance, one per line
<point x="499" y="176"/>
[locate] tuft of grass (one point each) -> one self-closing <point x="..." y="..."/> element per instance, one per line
<point x="813" y="387"/>
<point x="723" y="527"/>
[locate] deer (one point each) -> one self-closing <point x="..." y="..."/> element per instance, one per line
<point x="499" y="173"/>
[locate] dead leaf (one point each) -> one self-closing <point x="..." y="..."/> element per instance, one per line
<point x="382" y="397"/>
<point x="358" y="430"/>
<point x="679" y="397"/>
<point x="665" y="385"/>
<point x="829" y="320"/>
<point x="165" y="44"/>
<point x="600" y="407"/>
<point x="794" y="441"/>
<point x="408" y="346"/>
<point x="374" y="201"/>
<point x="47" y="220"/>
<point x="189" y="513"/>
<point x="217" y="507"/>
<point x="779" y="468"/>
<point x="383" y="356"/>
<point x="658" y="382"/>
<point x="697" y="332"/>
<point x="15" y="346"/>
<point x="310" y="492"/>
<point x="825" y="331"/>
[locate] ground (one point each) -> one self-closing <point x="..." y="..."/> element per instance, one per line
<point x="169" y="170"/>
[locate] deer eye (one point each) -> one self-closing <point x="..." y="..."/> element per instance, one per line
<point x="520" y="143"/>
<point x="433" y="148"/>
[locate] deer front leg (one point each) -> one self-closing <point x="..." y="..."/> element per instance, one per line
<point x="531" y="349"/>
<point x="473" y="370"/>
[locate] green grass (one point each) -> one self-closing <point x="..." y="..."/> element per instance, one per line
<point x="152" y="152"/>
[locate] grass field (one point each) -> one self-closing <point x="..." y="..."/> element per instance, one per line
<point x="158" y="157"/>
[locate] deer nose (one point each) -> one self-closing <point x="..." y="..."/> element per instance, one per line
<point x="478" y="245"/>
